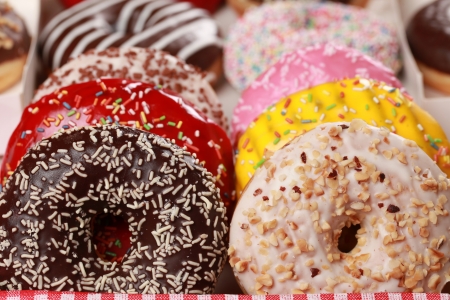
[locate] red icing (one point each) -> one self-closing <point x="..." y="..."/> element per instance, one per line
<point x="78" y="105"/>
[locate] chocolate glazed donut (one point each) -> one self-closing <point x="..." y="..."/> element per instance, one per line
<point x="176" y="27"/>
<point x="429" y="35"/>
<point x="14" y="45"/>
<point x="177" y="222"/>
<point x="429" y="38"/>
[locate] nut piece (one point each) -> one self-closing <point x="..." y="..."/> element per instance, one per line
<point x="265" y="280"/>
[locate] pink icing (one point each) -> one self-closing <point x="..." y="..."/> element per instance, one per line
<point x="303" y="69"/>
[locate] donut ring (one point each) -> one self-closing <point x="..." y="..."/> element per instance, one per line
<point x="132" y="104"/>
<point x="146" y="65"/>
<point x="343" y="100"/>
<point x="14" y="45"/>
<point x="240" y="6"/>
<point x="66" y="180"/>
<point x="303" y="69"/>
<point x="429" y="39"/>
<point x="264" y="34"/>
<point x="176" y="27"/>
<point x="284" y="233"/>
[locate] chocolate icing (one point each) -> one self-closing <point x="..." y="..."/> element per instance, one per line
<point x="160" y="24"/>
<point x="429" y="35"/>
<point x="66" y="180"/>
<point x="14" y="38"/>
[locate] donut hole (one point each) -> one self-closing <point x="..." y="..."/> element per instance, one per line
<point x="111" y="237"/>
<point x="446" y="288"/>
<point x="347" y="240"/>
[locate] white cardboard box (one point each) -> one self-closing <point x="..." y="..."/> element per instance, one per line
<point x="13" y="100"/>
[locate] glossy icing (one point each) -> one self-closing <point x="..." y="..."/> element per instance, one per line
<point x="258" y="39"/>
<point x="14" y="38"/>
<point x="172" y="207"/>
<point x="302" y="69"/>
<point x="146" y="65"/>
<point x="285" y="230"/>
<point x="176" y="27"/>
<point x="375" y="103"/>
<point x="429" y="35"/>
<point x="128" y="103"/>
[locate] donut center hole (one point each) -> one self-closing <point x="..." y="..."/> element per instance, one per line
<point x="111" y="237"/>
<point x="347" y="241"/>
<point x="446" y="288"/>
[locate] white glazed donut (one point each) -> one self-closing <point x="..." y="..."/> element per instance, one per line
<point x="285" y="229"/>
<point x="146" y="65"/>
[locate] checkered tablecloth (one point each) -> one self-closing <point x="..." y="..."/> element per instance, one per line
<point x="44" y="295"/>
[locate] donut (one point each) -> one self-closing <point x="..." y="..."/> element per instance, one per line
<point x="159" y="188"/>
<point x="176" y="27"/>
<point x="284" y="236"/>
<point x="240" y="6"/>
<point x="301" y="69"/>
<point x="344" y="100"/>
<point x="264" y="34"/>
<point x="429" y="39"/>
<point x="131" y="103"/>
<point x="147" y="65"/>
<point x="210" y="5"/>
<point x="14" y="45"/>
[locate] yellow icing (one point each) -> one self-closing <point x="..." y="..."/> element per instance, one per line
<point x="332" y="102"/>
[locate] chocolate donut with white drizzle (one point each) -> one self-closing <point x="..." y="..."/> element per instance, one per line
<point x="177" y="222"/>
<point x="176" y="27"/>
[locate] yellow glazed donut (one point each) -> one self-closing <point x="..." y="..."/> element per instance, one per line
<point x="375" y="103"/>
<point x="285" y="235"/>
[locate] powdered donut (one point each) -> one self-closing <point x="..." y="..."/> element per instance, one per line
<point x="285" y="230"/>
<point x="264" y="34"/>
<point x="172" y="207"/>
<point x="302" y="69"/>
<point x="147" y="65"/>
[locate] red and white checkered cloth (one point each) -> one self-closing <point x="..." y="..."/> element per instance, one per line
<point x="44" y="295"/>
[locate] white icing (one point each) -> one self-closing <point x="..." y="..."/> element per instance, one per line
<point x="147" y="33"/>
<point x="203" y="25"/>
<point x="147" y="11"/>
<point x="79" y="31"/>
<point x="73" y="18"/>
<point x="338" y="206"/>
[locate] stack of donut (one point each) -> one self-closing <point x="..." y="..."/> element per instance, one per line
<point x="120" y="178"/>
<point x="304" y="184"/>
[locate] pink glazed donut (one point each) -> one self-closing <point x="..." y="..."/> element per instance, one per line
<point x="303" y="69"/>
<point x="264" y="34"/>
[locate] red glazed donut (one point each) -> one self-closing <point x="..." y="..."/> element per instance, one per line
<point x="170" y="202"/>
<point x="14" y="45"/>
<point x="176" y="27"/>
<point x="129" y="103"/>
<point x="146" y="65"/>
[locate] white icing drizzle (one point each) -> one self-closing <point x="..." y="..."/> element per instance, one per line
<point x="75" y="17"/>
<point x="183" y="17"/>
<point x="79" y="31"/>
<point x="147" y="11"/>
<point x="150" y="18"/>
